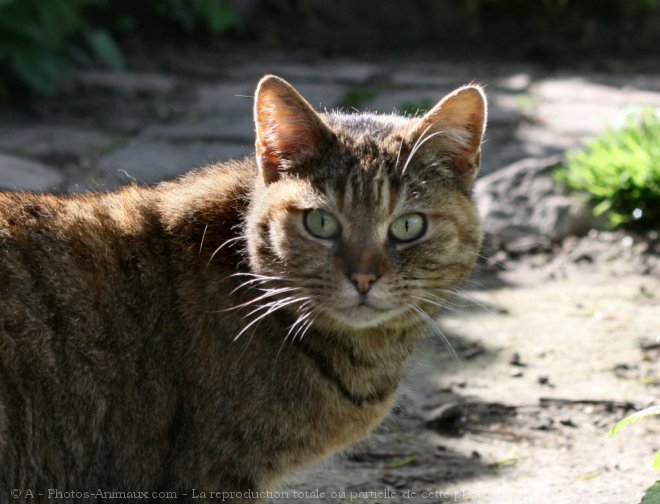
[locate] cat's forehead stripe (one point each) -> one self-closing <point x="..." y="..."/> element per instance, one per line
<point x="392" y="196"/>
<point x="364" y="190"/>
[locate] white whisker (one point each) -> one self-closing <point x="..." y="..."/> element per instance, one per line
<point x="231" y="240"/>
<point x="267" y="294"/>
<point x="201" y="245"/>
<point x="434" y="326"/>
<point x="306" y="327"/>
<point x="441" y="303"/>
<point x="272" y="307"/>
<point x="414" y="151"/>
<point x="299" y="322"/>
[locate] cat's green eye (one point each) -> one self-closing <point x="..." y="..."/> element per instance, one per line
<point x="321" y="224"/>
<point x="408" y="227"/>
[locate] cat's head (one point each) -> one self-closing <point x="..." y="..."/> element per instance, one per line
<point x="364" y="220"/>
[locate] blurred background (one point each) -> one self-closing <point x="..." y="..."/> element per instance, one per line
<point x="94" y="90"/>
<point x="557" y="333"/>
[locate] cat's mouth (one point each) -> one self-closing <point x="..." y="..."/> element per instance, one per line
<point x="364" y="314"/>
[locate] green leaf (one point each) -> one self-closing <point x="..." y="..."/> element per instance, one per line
<point x="58" y="19"/>
<point x="656" y="461"/>
<point x="41" y="71"/>
<point x="217" y="15"/>
<point x="105" y="49"/>
<point x="652" y="495"/>
<point x="395" y="464"/>
<point x="17" y="22"/>
<point x="125" y="23"/>
<point x="4" y="3"/>
<point x="602" y="207"/>
<point x="653" y="410"/>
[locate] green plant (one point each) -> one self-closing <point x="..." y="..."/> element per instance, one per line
<point x="214" y="15"/>
<point x="652" y="495"/>
<point x="35" y="40"/>
<point x="621" y="172"/>
<point x="41" y="41"/>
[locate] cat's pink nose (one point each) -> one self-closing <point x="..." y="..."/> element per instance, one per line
<point x="363" y="281"/>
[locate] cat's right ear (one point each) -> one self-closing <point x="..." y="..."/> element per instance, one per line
<point x="289" y="131"/>
<point x="453" y="131"/>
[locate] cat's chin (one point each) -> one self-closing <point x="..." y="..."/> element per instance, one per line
<point x="366" y="317"/>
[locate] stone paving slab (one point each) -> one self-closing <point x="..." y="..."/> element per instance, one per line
<point x="232" y="98"/>
<point x="127" y="82"/>
<point x="147" y="161"/>
<point x="511" y="77"/>
<point x="398" y="100"/>
<point x="577" y="107"/>
<point x="206" y="128"/>
<point x="433" y="77"/>
<point x="339" y="71"/>
<point x="235" y="98"/>
<point x="41" y="140"/>
<point x="322" y="95"/>
<point x="584" y="89"/>
<point x="532" y="114"/>
<point x="18" y="174"/>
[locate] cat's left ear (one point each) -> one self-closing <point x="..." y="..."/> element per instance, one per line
<point x="453" y="131"/>
<point x="289" y="131"/>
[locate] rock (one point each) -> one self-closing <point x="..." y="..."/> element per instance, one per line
<point x="20" y="174"/>
<point x="127" y="82"/>
<point x="515" y="360"/>
<point x="501" y="148"/>
<point x="503" y="109"/>
<point x="44" y="140"/>
<point x="540" y="141"/>
<point x="446" y="418"/>
<point x="209" y="128"/>
<point x="522" y="207"/>
<point x="225" y="98"/>
<point x="147" y="161"/>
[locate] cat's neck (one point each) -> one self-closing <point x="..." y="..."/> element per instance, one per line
<point x="205" y="209"/>
<point x="364" y="366"/>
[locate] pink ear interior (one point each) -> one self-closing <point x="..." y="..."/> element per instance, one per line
<point x="454" y="129"/>
<point x="288" y="129"/>
<point x="461" y="114"/>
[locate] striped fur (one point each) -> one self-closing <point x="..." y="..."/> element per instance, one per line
<point x="195" y="335"/>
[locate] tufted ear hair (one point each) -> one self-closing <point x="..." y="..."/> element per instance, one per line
<point x="453" y="130"/>
<point x="289" y="131"/>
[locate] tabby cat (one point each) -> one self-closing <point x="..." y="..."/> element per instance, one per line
<point x="216" y="332"/>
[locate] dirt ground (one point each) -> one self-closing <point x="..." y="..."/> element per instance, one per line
<point x="551" y="353"/>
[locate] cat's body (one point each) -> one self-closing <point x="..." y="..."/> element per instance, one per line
<point x="127" y="359"/>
